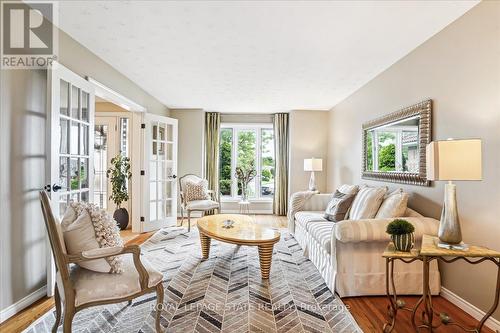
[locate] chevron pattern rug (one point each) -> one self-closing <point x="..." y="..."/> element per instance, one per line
<point x="222" y="294"/>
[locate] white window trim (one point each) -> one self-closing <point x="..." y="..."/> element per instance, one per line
<point x="237" y="127"/>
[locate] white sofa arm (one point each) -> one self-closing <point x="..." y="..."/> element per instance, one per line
<point x="305" y="201"/>
<point x="317" y="202"/>
<point x="373" y="230"/>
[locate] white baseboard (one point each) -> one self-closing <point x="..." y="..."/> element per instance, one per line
<point x="474" y="311"/>
<point x="22" y="303"/>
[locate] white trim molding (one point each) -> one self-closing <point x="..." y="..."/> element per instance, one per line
<point x="472" y="310"/>
<point x="112" y="96"/>
<point x="22" y="304"/>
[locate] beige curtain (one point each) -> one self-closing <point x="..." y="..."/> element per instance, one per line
<point x="212" y="129"/>
<point x="281" y="147"/>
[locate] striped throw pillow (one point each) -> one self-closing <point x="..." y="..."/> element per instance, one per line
<point x="394" y="205"/>
<point x="338" y="206"/>
<point x="367" y="203"/>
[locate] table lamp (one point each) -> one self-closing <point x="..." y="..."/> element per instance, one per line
<point x="451" y="160"/>
<point x="313" y="164"/>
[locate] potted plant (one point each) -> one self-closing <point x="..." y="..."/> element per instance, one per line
<point x="119" y="174"/>
<point x="244" y="177"/>
<point x="402" y="235"/>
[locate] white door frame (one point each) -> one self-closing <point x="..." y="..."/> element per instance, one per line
<point x="136" y="144"/>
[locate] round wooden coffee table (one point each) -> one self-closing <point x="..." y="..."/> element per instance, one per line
<point x="244" y="232"/>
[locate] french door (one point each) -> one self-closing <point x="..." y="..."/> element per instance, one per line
<point x="159" y="185"/>
<point x="71" y="103"/>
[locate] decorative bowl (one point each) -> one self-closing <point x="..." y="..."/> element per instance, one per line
<point x="227" y="224"/>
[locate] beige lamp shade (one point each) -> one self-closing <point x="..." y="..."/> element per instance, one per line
<point x="454" y="160"/>
<point x="313" y="164"/>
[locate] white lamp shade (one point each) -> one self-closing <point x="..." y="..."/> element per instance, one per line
<point x="313" y="164"/>
<point x="454" y="160"/>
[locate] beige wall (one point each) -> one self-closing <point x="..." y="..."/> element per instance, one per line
<point x="459" y="68"/>
<point x="191" y="130"/>
<point x="23" y="154"/>
<point x="308" y="138"/>
<point x="108" y="107"/>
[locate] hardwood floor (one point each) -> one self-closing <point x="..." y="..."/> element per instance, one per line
<point x="369" y="312"/>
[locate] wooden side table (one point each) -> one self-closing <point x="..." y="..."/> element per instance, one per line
<point x="429" y="252"/>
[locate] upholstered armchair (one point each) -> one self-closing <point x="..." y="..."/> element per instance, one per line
<point x="78" y="288"/>
<point x="195" y="205"/>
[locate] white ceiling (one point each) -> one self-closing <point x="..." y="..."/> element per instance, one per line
<point x="254" y="56"/>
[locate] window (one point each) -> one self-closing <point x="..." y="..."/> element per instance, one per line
<point x="246" y="145"/>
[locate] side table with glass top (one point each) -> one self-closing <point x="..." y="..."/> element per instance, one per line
<point x="428" y="252"/>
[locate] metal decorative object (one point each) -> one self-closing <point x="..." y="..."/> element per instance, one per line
<point x="424" y="111"/>
<point x="227" y="224"/>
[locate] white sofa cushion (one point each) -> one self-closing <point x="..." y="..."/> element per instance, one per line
<point x="394" y="205"/>
<point x="93" y="286"/>
<point x="202" y="204"/>
<point x="308" y="217"/>
<point x="367" y="203"/>
<point x="322" y="233"/>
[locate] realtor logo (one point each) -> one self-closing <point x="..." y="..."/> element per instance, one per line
<point x="29" y="34"/>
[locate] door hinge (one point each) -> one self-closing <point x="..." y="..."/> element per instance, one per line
<point x="143" y="126"/>
<point x="143" y="172"/>
<point x="142" y="218"/>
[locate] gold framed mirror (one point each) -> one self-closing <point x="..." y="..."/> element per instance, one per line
<point x="394" y="145"/>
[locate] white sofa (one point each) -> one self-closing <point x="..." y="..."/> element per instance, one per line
<point x="348" y="254"/>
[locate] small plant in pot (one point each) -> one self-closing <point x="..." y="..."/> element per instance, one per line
<point x="402" y="235"/>
<point x="119" y="174"/>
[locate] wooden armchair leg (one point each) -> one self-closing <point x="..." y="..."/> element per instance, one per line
<point x="57" y="299"/>
<point x="189" y="220"/>
<point x="69" y="313"/>
<point x="159" y="306"/>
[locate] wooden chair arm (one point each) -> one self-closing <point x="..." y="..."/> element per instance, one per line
<point x="102" y="253"/>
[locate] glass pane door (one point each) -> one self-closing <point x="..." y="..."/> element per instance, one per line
<point x="74" y="152"/>
<point x="162" y="164"/>
<point x="71" y="141"/>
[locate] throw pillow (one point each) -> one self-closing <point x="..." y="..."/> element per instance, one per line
<point x="367" y="203"/>
<point x="196" y="190"/>
<point x="338" y="206"/>
<point x="87" y="227"/>
<point x="394" y="205"/>
<point x="348" y="189"/>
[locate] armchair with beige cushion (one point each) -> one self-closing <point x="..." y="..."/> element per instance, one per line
<point x="78" y="288"/>
<point x="348" y="253"/>
<point x="206" y="202"/>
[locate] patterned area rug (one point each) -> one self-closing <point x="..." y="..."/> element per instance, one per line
<point x="222" y="294"/>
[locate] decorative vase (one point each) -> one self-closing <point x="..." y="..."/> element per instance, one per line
<point x="449" y="226"/>
<point x="244" y="194"/>
<point x="404" y="242"/>
<point x="121" y="217"/>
